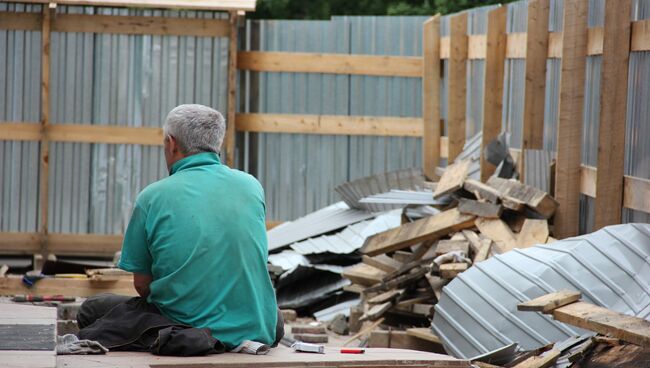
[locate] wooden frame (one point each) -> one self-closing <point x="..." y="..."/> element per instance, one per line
<point x="457" y="86"/>
<point x="431" y="96"/>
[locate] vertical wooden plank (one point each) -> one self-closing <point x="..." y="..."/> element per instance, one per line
<point x="457" y="85"/>
<point x="431" y="96"/>
<point x="613" y="105"/>
<point x="535" y="87"/>
<point x="493" y="96"/>
<point x="232" y="91"/>
<point x="45" y="121"/>
<point x="571" y="110"/>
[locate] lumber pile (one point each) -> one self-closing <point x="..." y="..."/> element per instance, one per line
<point x="404" y="269"/>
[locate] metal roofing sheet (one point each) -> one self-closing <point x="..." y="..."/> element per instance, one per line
<point x="351" y="238"/>
<point x="478" y="313"/>
<point x="316" y="223"/>
<point x="403" y="198"/>
<point x="353" y="191"/>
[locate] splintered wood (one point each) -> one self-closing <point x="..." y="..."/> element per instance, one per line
<point x="405" y="269"/>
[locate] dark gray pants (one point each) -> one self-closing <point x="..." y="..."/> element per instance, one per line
<point x="98" y="306"/>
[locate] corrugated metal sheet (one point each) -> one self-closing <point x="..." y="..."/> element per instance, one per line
<point x="403" y="198"/>
<point x="537" y="169"/>
<point x="351" y="238"/>
<point x="353" y="191"/>
<point x="327" y="219"/>
<point x="299" y="172"/>
<point x="478" y="309"/>
<point x="99" y="79"/>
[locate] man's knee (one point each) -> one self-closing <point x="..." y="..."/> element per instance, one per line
<point x="95" y="307"/>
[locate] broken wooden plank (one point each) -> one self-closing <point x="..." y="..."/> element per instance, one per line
<point x="543" y="361"/>
<point x="473" y="238"/>
<point x="424" y="310"/>
<point x="533" y="232"/>
<point x="402" y="256"/>
<point x="382" y="262"/>
<point x="311" y="338"/>
<point x="452" y="179"/>
<point x="451" y="270"/>
<point x="376" y="311"/>
<point x="537" y="200"/>
<point x="363" y="274"/>
<point x="354" y="288"/>
<point x="484" y="251"/>
<point x="499" y="232"/>
<point x="446" y="246"/>
<point x="388" y="296"/>
<point x="606" y="322"/>
<point x="548" y="302"/>
<point x="479" y="209"/>
<point x="423" y="333"/>
<point x="426" y="229"/>
<point x="306" y="329"/>
<point x="398" y="282"/>
<point x="481" y="190"/>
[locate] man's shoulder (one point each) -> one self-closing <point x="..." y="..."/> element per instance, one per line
<point x="153" y="190"/>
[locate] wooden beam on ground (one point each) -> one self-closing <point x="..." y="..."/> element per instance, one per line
<point x="66" y="287"/>
<point x="535" y="84"/>
<point x="533" y="232"/>
<point x="364" y="274"/>
<point x="301" y="62"/>
<point x="457" y="86"/>
<point x="426" y="229"/>
<point x="479" y="209"/>
<point x="231" y="121"/>
<point x="494" y="73"/>
<point x="450" y="270"/>
<point x="606" y="322"/>
<point x="382" y="262"/>
<point x="571" y="110"/>
<point x="546" y="360"/>
<point x="330" y="124"/>
<point x="613" y="106"/>
<point x="547" y="303"/>
<point x="431" y="97"/>
<point x="499" y="232"/>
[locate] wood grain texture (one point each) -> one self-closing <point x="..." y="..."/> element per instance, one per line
<point x="542" y="361"/>
<point x="66" y="287"/>
<point x="140" y="25"/>
<point x="547" y="303"/>
<point x="231" y="121"/>
<point x="571" y="111"/>
<point x="499" y="232"/>
<point x="477" y="47"/>
<point x="494" y="72"/>
<point x="457" y="85"/>
<point x="300" y="62"/>
<point x="516" y="45"/>
<point x="452" y="179"/>
<point x="111" y="134"/>
<point x="429" y="228"/>
<point x="606" y="322"/>
<point x="330" y="124"/>
<point x="44" y="152"/>
<point x="613" y="105"/>
<point x="431" y="97"/>
<point x="532" y="232"/>
<point x="535" y="85"/>
<point x="10" y="131"/>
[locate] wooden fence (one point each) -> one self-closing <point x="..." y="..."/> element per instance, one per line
<point x="49" y="21"/>
<point x="611" y="189"/>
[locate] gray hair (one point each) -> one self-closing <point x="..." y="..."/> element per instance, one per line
<point x="196" y="128"/>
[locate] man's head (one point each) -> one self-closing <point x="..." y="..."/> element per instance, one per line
<point x="192" y="129"/>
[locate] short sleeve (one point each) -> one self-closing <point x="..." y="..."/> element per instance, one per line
<point x="135" y="251"/>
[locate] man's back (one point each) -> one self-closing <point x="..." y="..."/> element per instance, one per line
<point x="201" y="234"/>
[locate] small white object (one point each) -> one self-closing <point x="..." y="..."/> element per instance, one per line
<point x="308" y="348"/>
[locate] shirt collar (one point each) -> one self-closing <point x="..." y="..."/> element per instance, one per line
<point x="199" y="159"/>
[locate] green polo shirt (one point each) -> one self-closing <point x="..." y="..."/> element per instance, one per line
<point x="201" y="234"/>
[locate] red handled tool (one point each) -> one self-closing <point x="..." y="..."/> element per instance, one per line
<point x="352" y="351"/>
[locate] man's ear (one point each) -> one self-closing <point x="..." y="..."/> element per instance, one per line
<point x="173" y="146"/>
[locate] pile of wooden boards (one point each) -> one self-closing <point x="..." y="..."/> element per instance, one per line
<point x="404" y="269"/>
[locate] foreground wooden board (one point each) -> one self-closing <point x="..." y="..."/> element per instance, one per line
<point x="364" y="275"/>
<point x="499" y="232"/>
<point x="606" y="322"/>
<point x="67" y="287"/>
<point x="537" y="200"/>
<point x="540" y="361"/>
<point x="27" y="314"/>
<point x="547" y="303"/>
<point x="428" y="228"/>
<point x="452" y="179"/>
<point x="279" y="357"/>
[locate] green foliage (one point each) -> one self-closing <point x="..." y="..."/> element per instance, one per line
<point x="324" y="9"/>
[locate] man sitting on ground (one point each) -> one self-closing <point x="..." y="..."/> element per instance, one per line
<point x="197" y="246"/>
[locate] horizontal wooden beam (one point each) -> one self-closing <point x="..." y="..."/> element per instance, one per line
<point x="60" y="244"/>
<point x="636" y="191"/>
<point x="300" y="62"/>
<point x="118" y="24"/>
<point x="83" y="133"/>
<point x="223" y="5"/>
<point x="330" y="124"/>
<point x="12" y="285"/>
<point x="516" y="43"/>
